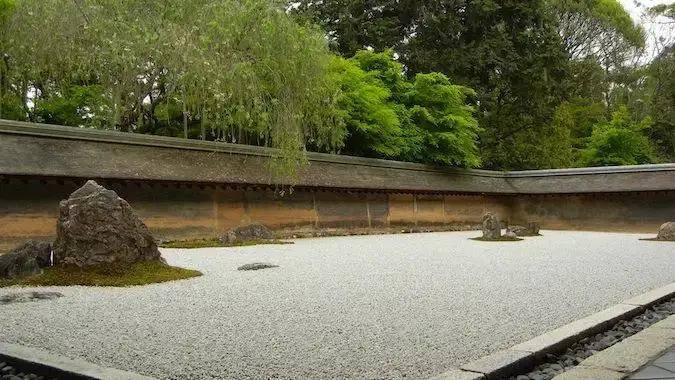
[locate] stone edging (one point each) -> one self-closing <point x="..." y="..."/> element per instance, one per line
<point x="627" y="356"/>
<point x="521" y="357"/>
<point x="56" y="366"/>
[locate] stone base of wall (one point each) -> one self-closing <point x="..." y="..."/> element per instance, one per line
<point x="638" y="212"/>
<point x="28" y="210"/>
<point x="173" y="211"/>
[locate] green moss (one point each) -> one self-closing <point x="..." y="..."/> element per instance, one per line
<point x="210" y="243"/>
<point x="114" y="275"/>
<point x="501" y="238"/>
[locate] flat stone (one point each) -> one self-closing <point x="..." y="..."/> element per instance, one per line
<point x="560" y="338"/>
<point x="458" y="374"/>
<point x="590" y="374"/>
<point x="257" y="266"/>
<point x="85" y="369"/>
<point x="670" y="367"/>
<point x="632" y="353"/>
<point x="667" y="358"/>
<point x="501" y="364"/>
<point x="652" y="296"/>
<point x="652" y="373"/>
<point x="21" y="297"/>
<point x="668" y="323"/>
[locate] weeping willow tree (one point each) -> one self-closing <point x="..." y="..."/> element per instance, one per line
<point x="242" y="70"/>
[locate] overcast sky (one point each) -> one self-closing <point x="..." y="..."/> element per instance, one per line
<point x="653" y="27"/>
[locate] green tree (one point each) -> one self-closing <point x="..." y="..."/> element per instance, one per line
<point x="354" y="25"/>
<point x="365" y="106"/>
<point x="439" y="112"/>
<point x="428" y="120"/>
<point x="596" y="28"/>
<point x="662" y="77"/>
<point x="660" y="83"/>
<point x="622" y="141"/>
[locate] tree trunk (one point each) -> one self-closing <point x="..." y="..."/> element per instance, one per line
<point x="116" y="108"/>
<point x="203" y="124"/>
<point x="185" y="120"/>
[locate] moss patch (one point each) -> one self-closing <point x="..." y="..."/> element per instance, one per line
<point x="211" y="243"/>
<point x="114" y="275"/>
<point x="501" y="238"/>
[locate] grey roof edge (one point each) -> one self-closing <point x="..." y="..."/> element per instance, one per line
<point x="587" y="171"/>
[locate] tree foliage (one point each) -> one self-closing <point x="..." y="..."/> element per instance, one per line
<point x="596" y="28"/>
<point x="662" y="104"/>
<point x="243" y="70"/>
<point x="622" y="141"/>
<point x="428" y="119"/>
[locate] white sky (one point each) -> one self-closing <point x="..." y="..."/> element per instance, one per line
<point x="655" y="27"/>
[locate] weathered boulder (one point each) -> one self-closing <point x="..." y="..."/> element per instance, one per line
<point x="667" y="232"/>
<point x="247" y="233"/>
<point x="96" y="227"/>
<point x="532" y="229"/>
<point x="492" y="229"/>
<point x="27" y="260"/>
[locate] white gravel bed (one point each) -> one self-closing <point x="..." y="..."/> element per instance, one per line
<point x="365" y="307"/>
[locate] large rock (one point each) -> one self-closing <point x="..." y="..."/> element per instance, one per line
<point x="96" y="227"/>
<point x="27" y="260"/>
<point x="492" y="229"/>
<point x="247" y="233"/>
<point x="667" y="232"/>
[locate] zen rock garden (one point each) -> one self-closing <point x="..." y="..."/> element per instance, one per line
<point x="328" y="289"/>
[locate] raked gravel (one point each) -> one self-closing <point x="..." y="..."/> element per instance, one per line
<point x="364" y="307"/>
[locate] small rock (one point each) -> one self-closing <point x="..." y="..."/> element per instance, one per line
<point x="491" y="227"/>
<point x="557" y="367"/>
<point x="532" y="229"/>
<point x="7" y="370"/>
<point x="247" y="233"/>
<point x="257" y="266"/>
<point x="510" y="234"/>
<point x="27" y="260"/>
<point x="21" y="297"/>
<point x="667" y="232"/>
<point x="522" y="377"/>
